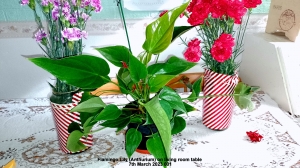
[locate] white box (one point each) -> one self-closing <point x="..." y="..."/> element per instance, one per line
<point x="273" y="63"/>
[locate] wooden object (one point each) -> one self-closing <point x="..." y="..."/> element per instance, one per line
<point x="284" y="17"/>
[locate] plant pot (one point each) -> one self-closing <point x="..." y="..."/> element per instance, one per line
<point x="62" y="118"/>
<point x="217" y="111"/>
<point x="146" y="130"/>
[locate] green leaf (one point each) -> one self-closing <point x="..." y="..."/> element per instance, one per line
<point x="115" y="54"/>
<point x="110" y="112"/>
<point x="136" y="119"/>
<point x="123" y="87"/>
<point x="121" y="121"/>
<point x="87" y="126"/>
<point x="162" y="123"/>
<point x="156" y="82"/>
<point x="73" y="142"/>
<point x="188" y="107"/>
<point x="243" y="95"/>
<point x="73" y="126"/>
<point x="159" y="33"/>
<point x="84" y="71"/>
<point x="89" y="106"/>
<point x="196" y="90"/>
<point x="179" y="30"/>
<point x="138" y="71"/>
<point x="172" y="98"/>
<point x="173" y="66"/>
<point x="156" y="147"/>
<point x="133" y="140"/>
<point x="167" y="108"/>
<point x="179" y="125"/>
<point x="148" y="119"/>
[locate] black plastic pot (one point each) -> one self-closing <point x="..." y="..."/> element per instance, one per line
<point x="146" y="130"/>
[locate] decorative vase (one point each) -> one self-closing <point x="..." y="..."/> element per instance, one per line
<point x="146" y="130"/>
<point x="217" y="111"/>
<point x="62" y="118"/>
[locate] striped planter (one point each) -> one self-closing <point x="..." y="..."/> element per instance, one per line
<point x="62" y="120"/>
<point x="217" y="111"/>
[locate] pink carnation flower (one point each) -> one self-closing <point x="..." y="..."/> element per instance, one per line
<point x="222" y="47"/>
<point x="24" y="2"/>
<point x="193" y="52"/>
<point x="40" y="35"/>
<point x="73" y="34"/>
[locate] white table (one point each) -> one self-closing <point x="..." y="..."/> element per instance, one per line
<point x="28" y="134"/>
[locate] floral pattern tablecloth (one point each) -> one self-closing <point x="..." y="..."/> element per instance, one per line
<point x="28" y="134"/>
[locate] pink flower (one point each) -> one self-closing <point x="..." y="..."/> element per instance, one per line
<point x="199" y="13"/>
<point x="45" y="2"/>
<point x="24" y="2"/>
<point x="254" y="136"/>
<point x="97" y="5"/>
<point x="39" y="35"/>
<point x="85" y="16"/>
<point x="84" y="34"/>
<point x="252" y="3"/>
<point x="219" y="8"/>
<point x="73" y="34"/>
<point x="55" y="13"/>
<point x="236" y="10"/>
<point x="222" y="47"/>
<point x="193" y="52"/>
<point x="73" y="20"/>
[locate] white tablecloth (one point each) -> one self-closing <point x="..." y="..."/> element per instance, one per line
<point x="28" y="134"/>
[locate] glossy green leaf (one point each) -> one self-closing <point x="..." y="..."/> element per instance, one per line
<point x="196" y="90"/>
<point x="73" y="126"/>
<point x="167" y="108"/>
<point x="179" y="125"/>
<point x="148" y="119"/>
<point x="159" y="33"/>
<point x="133" y="140"/>
<point x="89" y="106"/>
<point x="115" y="54"/>
<point x="162" y="123"/>
<point x="156" y="147"/>
<point x="73" y="142"/>
<point x="87" y="126"/>
<point x="123" y="87"/>
<point x="173" y="66"/>
<point x="138" y="71"/>
<point x="110" y="112"/>
<point x="156" y="82"/>
<point x="86" y="72"/>
<point x="172" y="98"/>
<point x="136" y="119"/>
<point x="179" y="30"/>
<point x="121" y="121"/>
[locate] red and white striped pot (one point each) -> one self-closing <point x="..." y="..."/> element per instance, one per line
<point x="62" y="120"/>
<point x="217" y="111"/>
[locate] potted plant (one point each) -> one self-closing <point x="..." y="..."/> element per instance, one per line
<point x="221" y="28"/>
<point x="152" y="104"/>
<point x="61" y="37"/>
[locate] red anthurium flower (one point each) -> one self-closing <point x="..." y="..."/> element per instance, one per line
<point x="162" y="13"/>
<point x="254" y="136"/>
<point x="124" y="64"/>
<point x="193" y="52"/>
<point x="222" y="47"/>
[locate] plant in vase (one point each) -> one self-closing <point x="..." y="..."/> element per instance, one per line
<point x="152" y="106"/>
<point x="61" y="37"/>
<point x="221" y="26"/>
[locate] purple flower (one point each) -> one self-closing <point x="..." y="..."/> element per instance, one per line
<point x="73" y="20"/>
<point x="97" y="5"/>
<point x="74" y="2"/>
<point x="45" y="2"/>
<point x="85" y="3"/>
<point x="55" y="13"/>
<point x="84" y="34"/>
<point x="24" y="2"/>
<point x="40" y="35"/>
<point x="85" y="16"/>
<point x="72" y="34"/>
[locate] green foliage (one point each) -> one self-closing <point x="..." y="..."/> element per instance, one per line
<point x="156" y="148"/>
<point x="243" y="94"/>
<point x="133" y="139"/>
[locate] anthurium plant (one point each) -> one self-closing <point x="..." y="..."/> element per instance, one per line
<point x="140" y="79"/>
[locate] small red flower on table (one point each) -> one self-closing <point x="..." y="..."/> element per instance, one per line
<point x="254" y="136"/>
